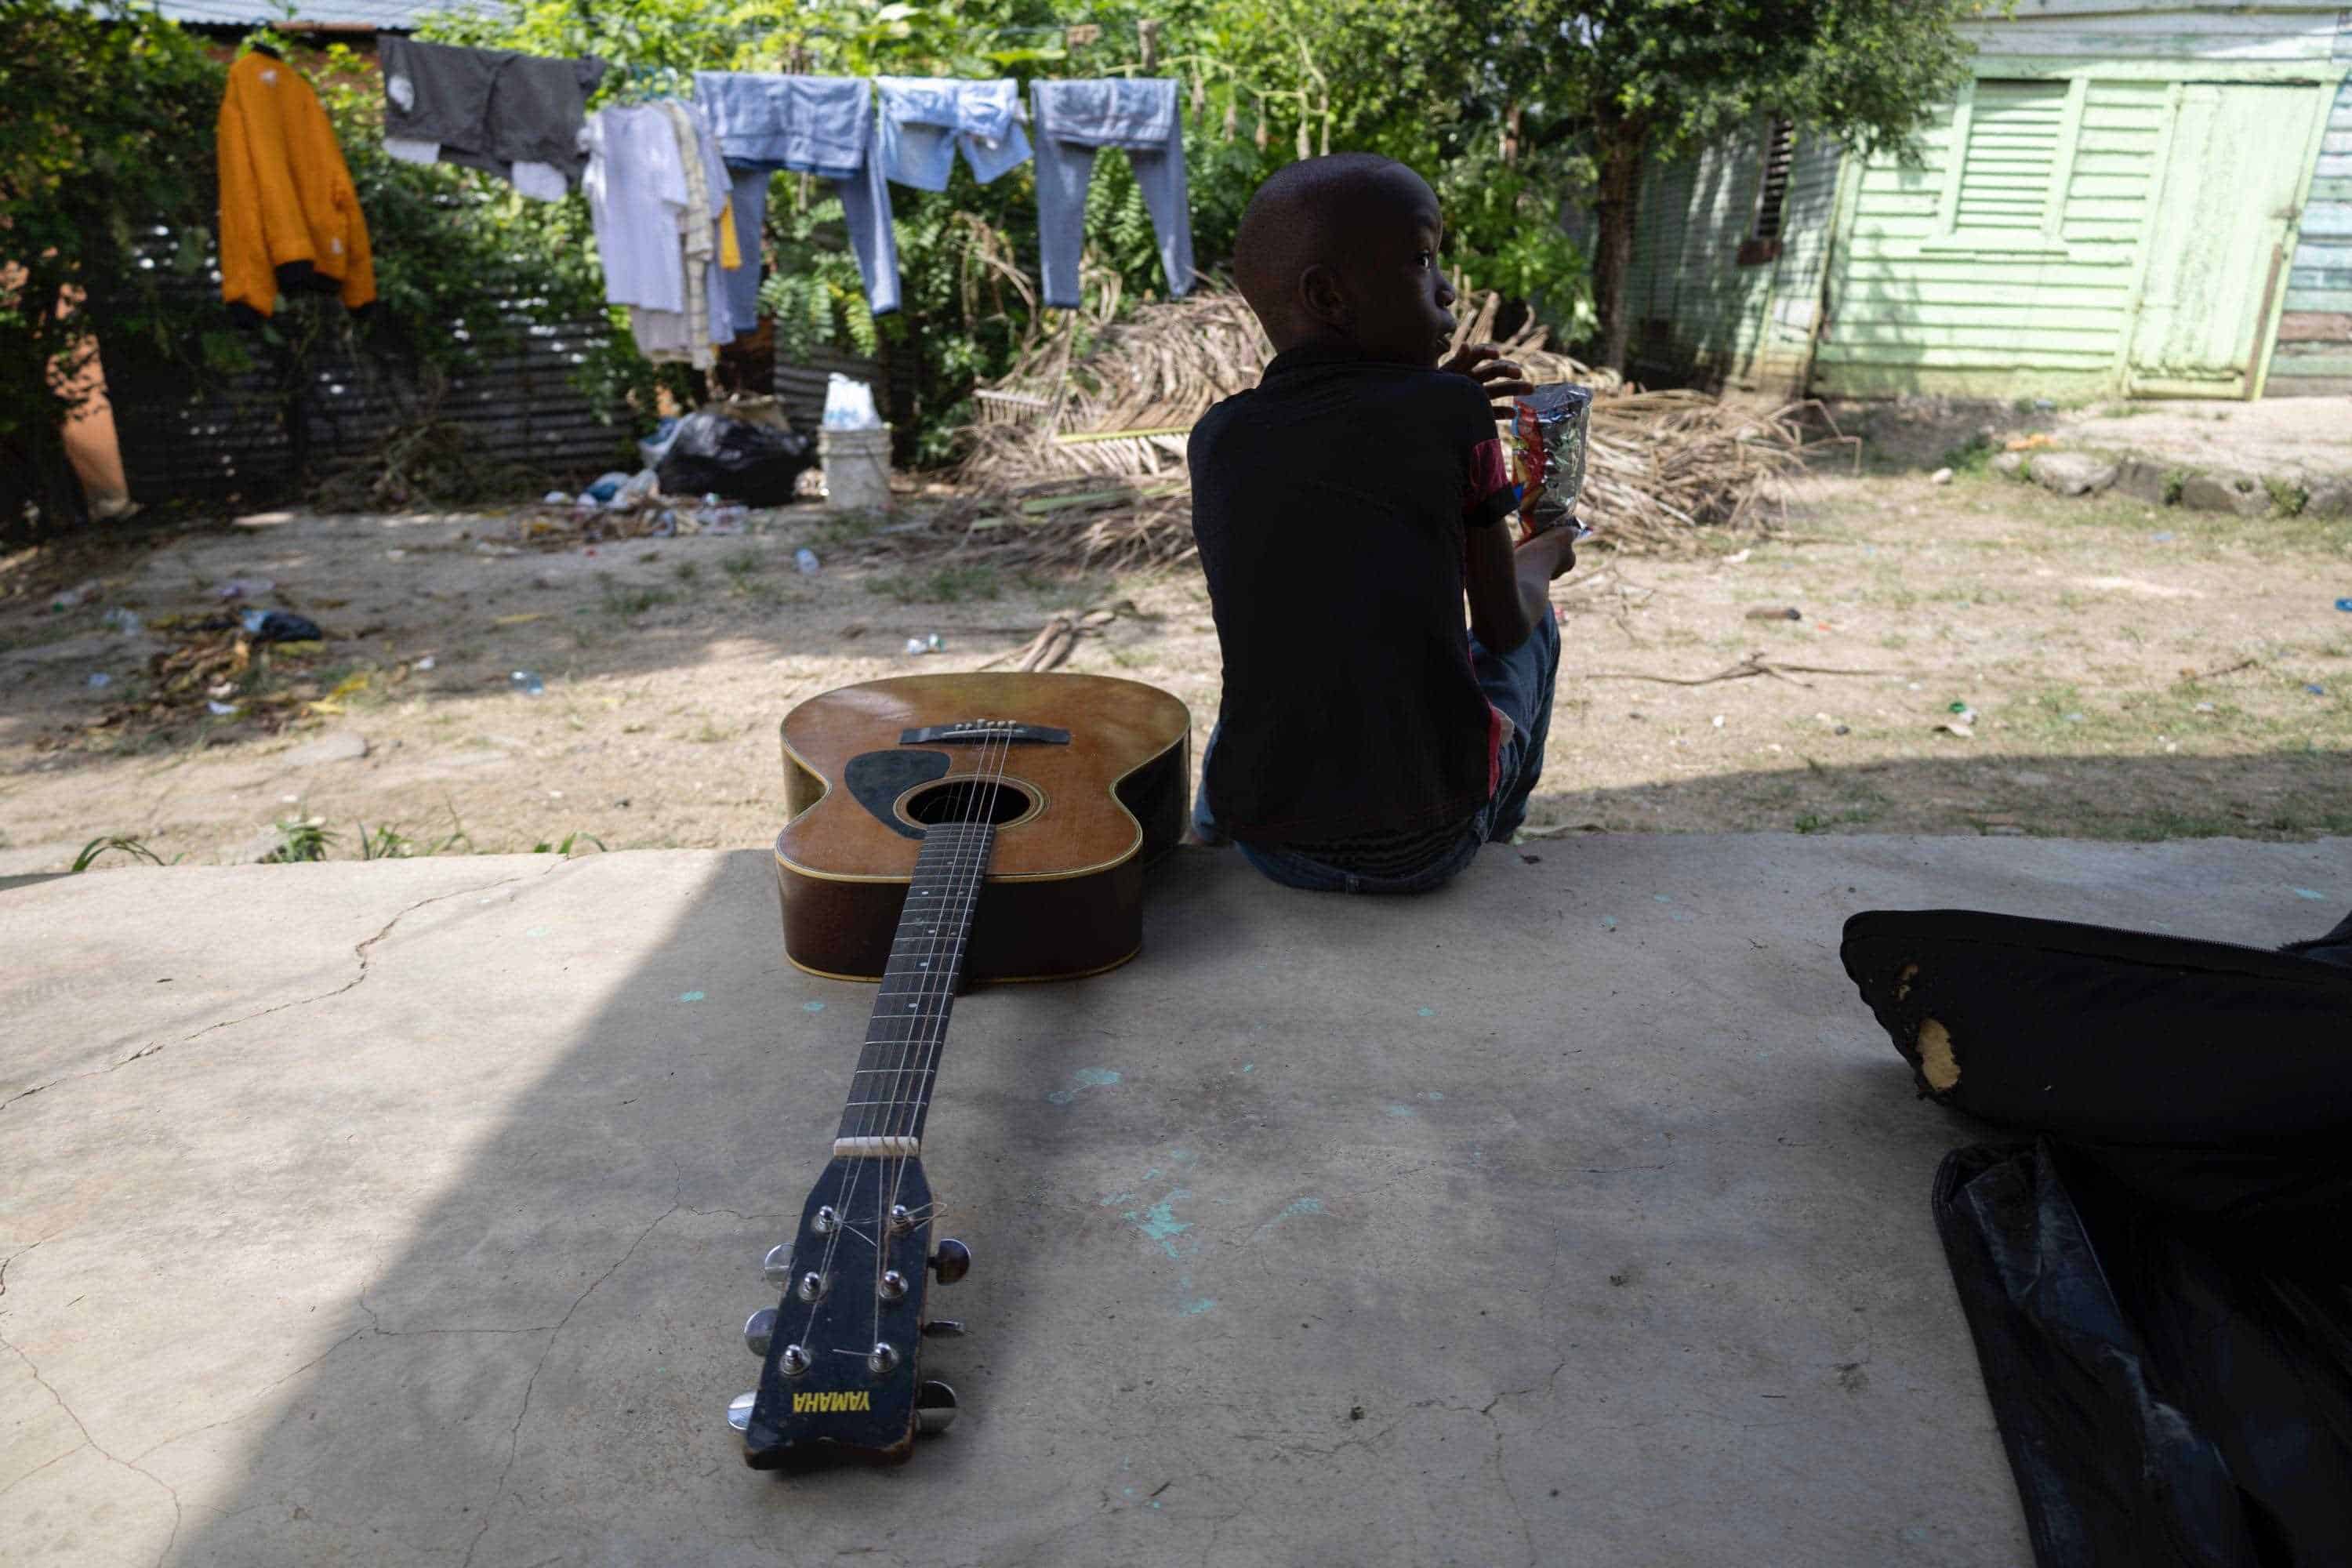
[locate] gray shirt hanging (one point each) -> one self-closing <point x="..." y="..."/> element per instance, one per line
<point x="487" y="109"/>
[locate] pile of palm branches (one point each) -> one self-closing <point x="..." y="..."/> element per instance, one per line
<point x="1123" y="407"/>
<point x="1663" y="463"/>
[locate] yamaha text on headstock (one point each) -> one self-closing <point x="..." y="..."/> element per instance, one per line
<point x="926" y="847"/>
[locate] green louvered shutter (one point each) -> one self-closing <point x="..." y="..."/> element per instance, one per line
<point x="2012" y="154"/>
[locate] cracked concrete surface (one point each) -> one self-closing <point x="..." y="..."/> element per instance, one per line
<point x="426" y="1235"/>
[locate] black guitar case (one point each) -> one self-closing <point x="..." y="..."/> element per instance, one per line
<point x="2159" y="1284"/>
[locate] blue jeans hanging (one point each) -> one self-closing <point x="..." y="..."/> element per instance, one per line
<point x="802" y="125"/>
<point x="924" y="119"/>
<point x="1075" y="118"/>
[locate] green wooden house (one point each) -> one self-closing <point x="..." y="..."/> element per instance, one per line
<point x="2130" y="198"/>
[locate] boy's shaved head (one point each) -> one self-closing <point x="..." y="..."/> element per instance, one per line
<point x="1319" y="245"/>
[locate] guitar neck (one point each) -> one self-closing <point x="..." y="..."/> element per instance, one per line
<point x="891" y="1094"/>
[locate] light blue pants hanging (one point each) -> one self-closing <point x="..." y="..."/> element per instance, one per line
<point x="926" y="119"/>
<point x="802" y="125"/>
<point x="1071" y="118"/>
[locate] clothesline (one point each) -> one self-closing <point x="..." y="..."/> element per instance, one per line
<point x="678" y="188"/>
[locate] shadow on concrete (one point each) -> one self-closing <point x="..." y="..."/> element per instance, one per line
<point x="1574" y="1202"/>
<point x="570" y="1306"/>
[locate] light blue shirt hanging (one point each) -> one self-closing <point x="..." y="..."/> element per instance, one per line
<point x="926" y="119"/>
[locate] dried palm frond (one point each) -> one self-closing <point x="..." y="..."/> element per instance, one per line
<point x="1662" y="463"/>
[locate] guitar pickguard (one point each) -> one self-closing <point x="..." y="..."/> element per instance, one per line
<point x="876" y="780"/>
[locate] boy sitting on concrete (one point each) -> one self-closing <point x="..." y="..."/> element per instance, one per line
<point x="1343" y="507"/>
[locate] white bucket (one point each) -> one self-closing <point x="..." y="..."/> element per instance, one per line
<point x="857" y="468"/>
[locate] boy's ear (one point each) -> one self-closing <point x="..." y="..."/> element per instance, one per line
<point x="1324" y="298"/>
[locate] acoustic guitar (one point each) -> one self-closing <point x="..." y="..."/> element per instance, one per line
<point x="943" y="828"/>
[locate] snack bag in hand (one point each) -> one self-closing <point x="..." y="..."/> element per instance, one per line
<point x="1549" y="431"/>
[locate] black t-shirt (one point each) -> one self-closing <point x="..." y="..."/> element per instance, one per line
<point x="1329" y="504"/>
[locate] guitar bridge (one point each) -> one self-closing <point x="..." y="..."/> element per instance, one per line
<point x="983" y="732"/>
<point x="884" y="1148"/>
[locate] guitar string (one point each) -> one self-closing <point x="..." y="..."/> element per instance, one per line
<point x="968" y="878"/>
<point x="990" y="756"/>
<point x="846" y="1199"/>
<point x="988" y="765"/>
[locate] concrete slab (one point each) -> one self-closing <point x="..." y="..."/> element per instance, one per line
<point x="413" y="1220"/>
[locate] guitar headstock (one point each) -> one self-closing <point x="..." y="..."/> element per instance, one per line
<point x="838" y="1351"/>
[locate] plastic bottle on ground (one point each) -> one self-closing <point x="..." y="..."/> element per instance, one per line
<point x="806" y="559"/>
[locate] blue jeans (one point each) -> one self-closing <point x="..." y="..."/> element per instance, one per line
<point x="1071" y="118"/>
<point x="1518" y="683"/>
<point x="802" y="125"/>
<point x="926" y="119"/>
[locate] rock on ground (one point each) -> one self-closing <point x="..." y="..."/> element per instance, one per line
<point x="2072" y="473"/>
<point x="2330" y="497"/>
<point x="2143" y="479"/>
<point x="2224" y="492"/>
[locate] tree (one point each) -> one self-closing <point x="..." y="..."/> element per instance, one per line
<point x="107" y="143"/>
<point x="1642" y="79"/>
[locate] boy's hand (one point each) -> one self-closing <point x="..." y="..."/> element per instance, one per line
<point x="1554" y="548"/>
<point x="1499" y="378"/>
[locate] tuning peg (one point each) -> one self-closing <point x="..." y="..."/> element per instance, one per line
<point x="759" y="1329"/>
<point x="776" y="1268"/>
<point x="738" y="1410"/>
<point x="935" y="1408"/>
<point x="952" y="1261"/>
<point x="943" y="1329"/>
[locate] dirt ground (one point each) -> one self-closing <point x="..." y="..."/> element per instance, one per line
<point x="2125" y="672"/>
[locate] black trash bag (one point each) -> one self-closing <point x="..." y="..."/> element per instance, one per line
<point x="279" y="626"/>
<point x="2165" y="1402"/>
<point x="754" y="464"/>
<point x="2158" y="1287"/>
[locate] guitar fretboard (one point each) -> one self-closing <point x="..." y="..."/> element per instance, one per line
<point x="891" y="1093"/>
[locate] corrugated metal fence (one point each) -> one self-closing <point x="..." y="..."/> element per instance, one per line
<point x="247" y="439"/>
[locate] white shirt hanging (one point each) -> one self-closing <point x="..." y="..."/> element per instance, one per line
<point x="636" y="187"/>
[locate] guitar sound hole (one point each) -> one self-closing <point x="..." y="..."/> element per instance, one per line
<point x="960" y="800"/>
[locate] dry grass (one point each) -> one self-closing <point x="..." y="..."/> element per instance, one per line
<point x="1663" y="464"/>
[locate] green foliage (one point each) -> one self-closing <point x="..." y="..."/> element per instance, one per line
<point x="388" y="843"/>
<point x="816" y="292"/>
<point x="1658" y="78"/>
<point x="302" y="838"/>
<point x="1866" y="71"/>
<point x="943" y="585"/>
<point x="1506" y="109"/>
<point x="1973" y="456"/>
<point x="114" y="844"/>
<point x="1409" y="83"/>
<point x="565" y="848"/>
<point x="106" y="135"/>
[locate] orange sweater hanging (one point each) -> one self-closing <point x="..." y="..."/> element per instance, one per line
<point x="290" y="219"/>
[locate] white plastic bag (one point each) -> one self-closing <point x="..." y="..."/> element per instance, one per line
<point x="849" y="405"/>
<point x="640" y="490"/>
